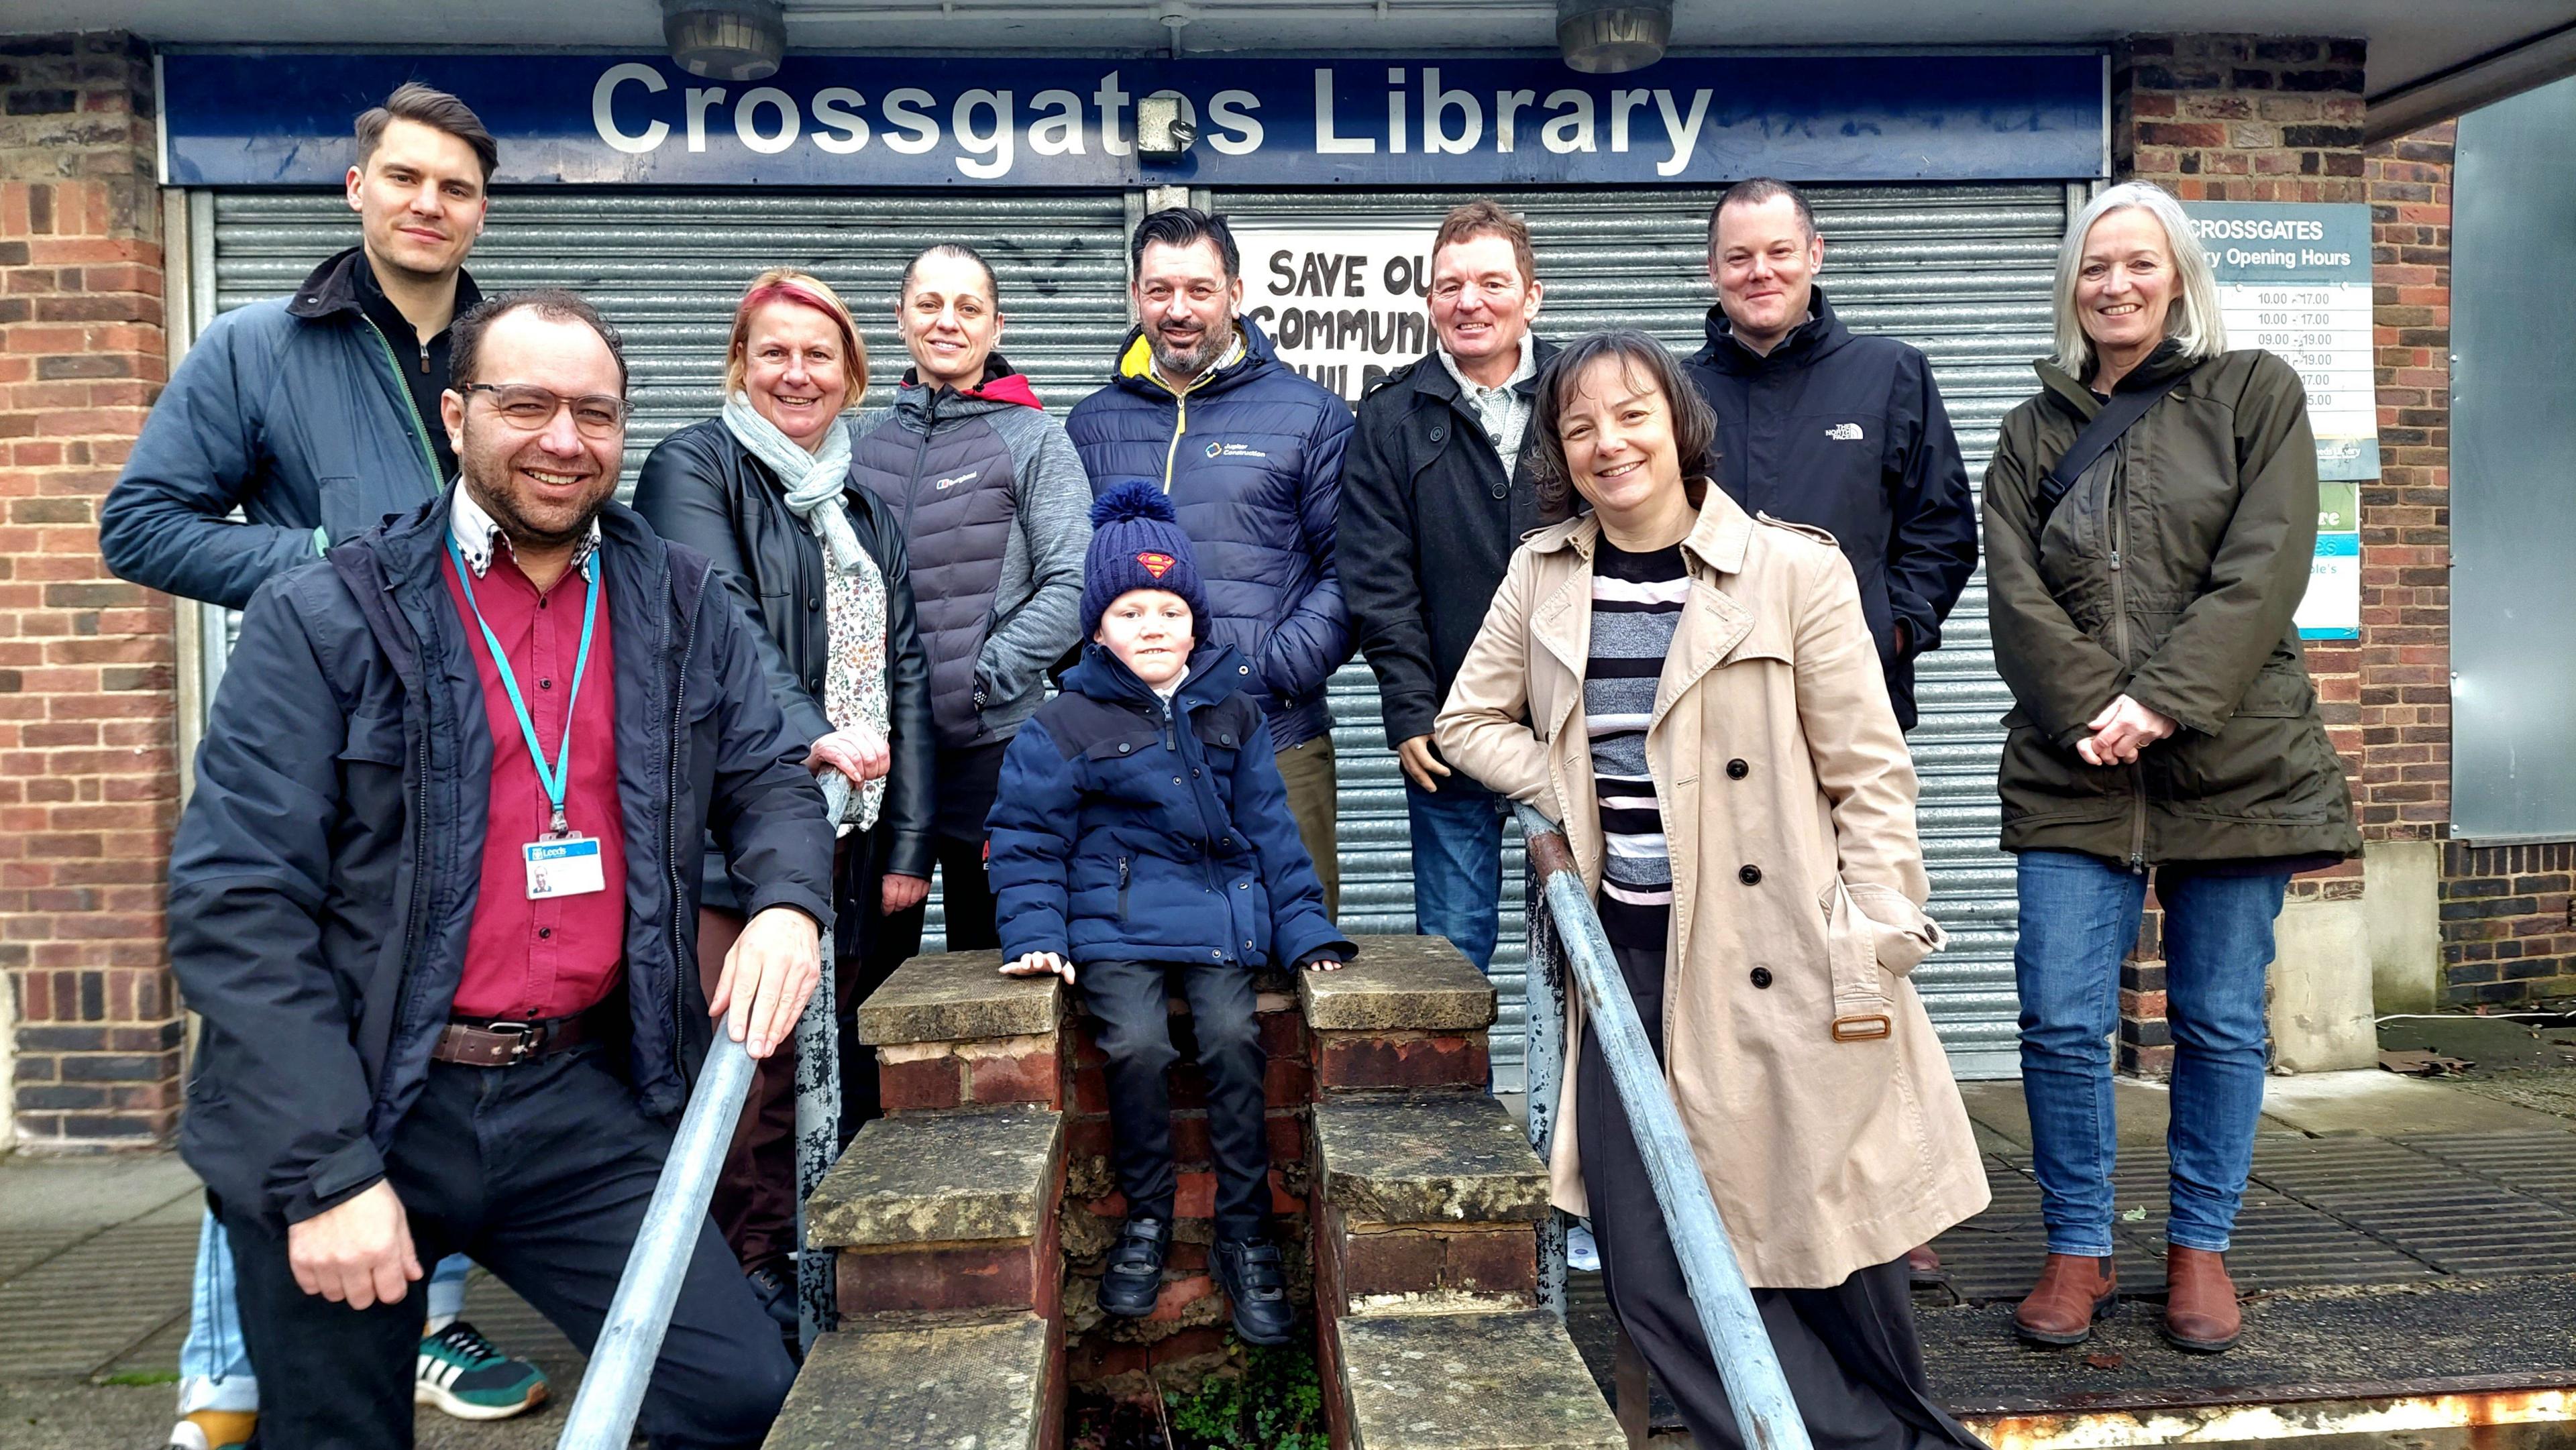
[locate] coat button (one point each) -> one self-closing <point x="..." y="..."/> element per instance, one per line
<point x="1762" y="977"/>
<point x="1737" y="770"/>
<point x="1243" y="886"/>
<point x="1124" y="747"/>
<point x="1750" y="875"/>
<point x="1502" y="491"/>
<point x="1176" y="780"/>
<point x="813" y="604"/>
<point x="1216" y="956"/>
<point x="1438" y="432"/>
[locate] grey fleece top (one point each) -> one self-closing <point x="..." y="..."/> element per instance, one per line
<point x="996" y="509"/>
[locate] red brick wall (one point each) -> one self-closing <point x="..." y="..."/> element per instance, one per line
<point x="2404" y="793"/>
<point x="2242" y="118"/>
<point x="88" y="771"/>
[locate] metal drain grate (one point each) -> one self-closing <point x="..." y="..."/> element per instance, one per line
<point x="2541" y="1164"/>
<point x="2454" y="1220"/>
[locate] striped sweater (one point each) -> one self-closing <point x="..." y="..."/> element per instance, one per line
<point x="1636" y="604"/>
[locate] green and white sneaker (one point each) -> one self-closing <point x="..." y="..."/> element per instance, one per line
<point x="461" y="1373"/>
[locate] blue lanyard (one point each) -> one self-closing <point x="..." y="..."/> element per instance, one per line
<point x="554" y="781"/>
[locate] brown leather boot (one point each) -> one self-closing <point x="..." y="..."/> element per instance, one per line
<point x="2200" y="1301"/>
<point x="2072" y="1292"/>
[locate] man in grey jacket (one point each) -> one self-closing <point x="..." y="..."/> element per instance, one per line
<point x="311" y="414"/>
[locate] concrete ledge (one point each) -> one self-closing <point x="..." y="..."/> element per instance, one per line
<point x="940" y="1178"/>
<point x="955" y="996"/>
<point x="948" y="1388"/>
<point x="1402" y="984"/>
<point x="1470" y="1382"/>
<point x="1427" y="1158"/>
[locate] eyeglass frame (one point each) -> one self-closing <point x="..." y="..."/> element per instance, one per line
<point x="563" y="403"/>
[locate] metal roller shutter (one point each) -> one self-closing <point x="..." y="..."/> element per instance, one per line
<point x="1959" y="271"/>
<point x="667" y="269"/>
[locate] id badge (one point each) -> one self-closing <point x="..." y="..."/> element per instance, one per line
<point x="563" y="866"/>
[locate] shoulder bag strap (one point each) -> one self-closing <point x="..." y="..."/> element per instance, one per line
<point x="2105" y="429"/>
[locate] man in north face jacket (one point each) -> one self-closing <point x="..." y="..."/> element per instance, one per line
<point x="1251" y="455"/>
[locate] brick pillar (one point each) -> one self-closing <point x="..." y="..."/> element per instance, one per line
<point x="2243" y="118"/>
<point x="88" y="770"/>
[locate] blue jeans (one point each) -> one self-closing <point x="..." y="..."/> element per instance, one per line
<point x="1457" y="865"/>
<point x="214" y="1366"/>
<point x="2079" y="917"/>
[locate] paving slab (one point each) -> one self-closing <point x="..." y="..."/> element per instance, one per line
<point x="2379" y="1103"/>
<point x="958" y="997"/>
<point x="1399" y="984"/>
<point x="961" y="1387"/>
<point x="939" y="1178"/>
<point x="1471" y="1382"/>
<point x="2002" y="1116"/>
<point x="1427" y="1158"/>
<point x="89" y="1191"/>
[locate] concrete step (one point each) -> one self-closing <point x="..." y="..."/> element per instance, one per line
<point x="1411" y="1013"/>
<point x="933" y="1387"/>
<point x="951" y="1212"/>
<point x="1430" y="1201"/>
<point x="1498" y="1381"/>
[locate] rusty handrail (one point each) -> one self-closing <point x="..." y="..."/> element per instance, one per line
<point x="1765" y="1413"/>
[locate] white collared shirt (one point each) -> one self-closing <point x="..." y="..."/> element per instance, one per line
<point x="476" y="534"/>
<point x="1501" y="412"/>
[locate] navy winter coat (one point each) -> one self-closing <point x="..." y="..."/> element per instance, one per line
<point x="1252" y="457"/>
<point x="325" y="871"/>
<point x="1129" y="830"/>
<point x="1847" y="432"/>
<point x="293" y="412"/>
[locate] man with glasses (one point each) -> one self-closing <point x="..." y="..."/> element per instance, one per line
<point x="314" y="418"/>
<point x="433" y="897"/>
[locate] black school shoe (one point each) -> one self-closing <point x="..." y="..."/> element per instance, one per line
<point x="1133" y="1279"/>
<point x="1249" y="1270"/>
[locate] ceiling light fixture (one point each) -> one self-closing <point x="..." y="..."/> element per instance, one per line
<point x="726" y="40"/>
<point x="1605" y="37"/>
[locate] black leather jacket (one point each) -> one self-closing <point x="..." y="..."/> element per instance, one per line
<point x="703" y="489"/>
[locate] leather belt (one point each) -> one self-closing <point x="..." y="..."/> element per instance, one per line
<point x="503" y="1044"/>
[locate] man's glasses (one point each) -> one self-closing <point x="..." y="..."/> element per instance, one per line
<point x="527" y="407"/>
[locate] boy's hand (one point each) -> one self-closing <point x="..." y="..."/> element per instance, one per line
<point x="1325" y="964"/>
<point x="1039" y="964"/>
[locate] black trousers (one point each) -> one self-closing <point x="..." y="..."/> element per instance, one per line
<point x="540" y="1172"/>
<point x="965" y="900"/>
<point x="1850" y="1353"/>
<point x="1131" y="1001"/>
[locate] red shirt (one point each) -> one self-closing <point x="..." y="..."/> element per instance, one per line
<point x="552" y="958"/>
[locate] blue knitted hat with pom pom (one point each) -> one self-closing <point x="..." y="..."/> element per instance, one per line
<point x="1137" y="543"/>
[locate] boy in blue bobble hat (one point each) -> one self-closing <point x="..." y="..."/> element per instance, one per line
<point x="1141" y="842"/>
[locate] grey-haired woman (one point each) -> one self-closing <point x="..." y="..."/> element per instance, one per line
<point x="2142" y="616"/>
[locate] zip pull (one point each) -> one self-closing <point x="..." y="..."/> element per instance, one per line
<point x="2115" y="559"/>
<point x="1171" y="728"/>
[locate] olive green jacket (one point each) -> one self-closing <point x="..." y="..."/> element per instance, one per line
<point x="2169" y="572"/>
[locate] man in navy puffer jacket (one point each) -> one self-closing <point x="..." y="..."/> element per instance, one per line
<point x="1142" y="844"/>
<point x="1250" y="454"/>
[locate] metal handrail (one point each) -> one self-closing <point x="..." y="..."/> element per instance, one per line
<point x="630" y="1340"/>
<point x="1765" y="1414"/>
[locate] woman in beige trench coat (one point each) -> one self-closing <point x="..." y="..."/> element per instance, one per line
<point x="1695" y="695"/>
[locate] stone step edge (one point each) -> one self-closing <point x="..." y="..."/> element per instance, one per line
<point x="1470" y="1381"/>
<point x="993" y="1384"/>
<point x="981" y="1175"/>
<point x="1425" y="1159"/>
